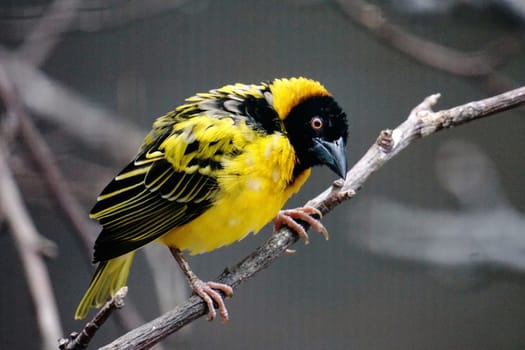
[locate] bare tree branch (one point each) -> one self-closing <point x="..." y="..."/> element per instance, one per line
<point x="480" y="64"/>
<point x="81" y="340"/>
<point x="421" y="122"/>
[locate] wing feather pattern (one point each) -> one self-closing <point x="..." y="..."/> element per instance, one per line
<point x="150" y="197"/>
<point x="134" y="215"/>
<point x="173" y="179"/>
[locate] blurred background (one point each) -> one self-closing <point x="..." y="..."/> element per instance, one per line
<point x="429" y="255"/>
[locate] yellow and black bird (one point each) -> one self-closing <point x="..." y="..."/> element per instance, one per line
<point x="216" y="168"/>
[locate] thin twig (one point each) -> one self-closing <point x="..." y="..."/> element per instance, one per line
<point x="77" y="341"/>
<point x="420" y="123"/>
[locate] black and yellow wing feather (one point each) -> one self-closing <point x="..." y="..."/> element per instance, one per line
<point x="173" y="179"/>
<point x="138" y="208"/>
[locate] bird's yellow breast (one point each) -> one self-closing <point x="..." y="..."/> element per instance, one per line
<point x="254" y="186"/>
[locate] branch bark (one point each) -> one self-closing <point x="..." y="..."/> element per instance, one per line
<point x="81" y="340"/>
<point x="421" y="122"/>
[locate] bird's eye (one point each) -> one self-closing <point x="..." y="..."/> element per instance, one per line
<point x="316" y="123"/>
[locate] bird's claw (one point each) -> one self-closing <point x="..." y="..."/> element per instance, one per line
<point x="208" y="292"/>
<point x="288" y="217"/>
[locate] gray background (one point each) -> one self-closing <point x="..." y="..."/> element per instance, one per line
<point x="338" y="294"/>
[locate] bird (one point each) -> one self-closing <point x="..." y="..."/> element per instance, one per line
<point x="216" y="168"/>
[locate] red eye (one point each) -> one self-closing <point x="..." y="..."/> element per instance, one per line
<point x="316" y="123"/>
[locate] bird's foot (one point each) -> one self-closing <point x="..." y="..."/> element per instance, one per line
<point x="288" y="217"/>
<point x="208" y="292"/>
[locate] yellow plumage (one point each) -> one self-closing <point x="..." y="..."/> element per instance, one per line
<point x="213" y="170"/>
<point x="261" y="172"/>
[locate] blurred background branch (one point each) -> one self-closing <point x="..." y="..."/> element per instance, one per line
<point x="47" y="31"/>
<point x="465" y="248"/>
<point x="90" y="16"/>
<point x="480" y="65"/>
<point x="21" y="68"/>
<point x="31" y="245"/>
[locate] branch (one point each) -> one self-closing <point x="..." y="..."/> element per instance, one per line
<point x="421" y="122"/>
<point x="81" y="340"/>
<point x="479" y="64"/>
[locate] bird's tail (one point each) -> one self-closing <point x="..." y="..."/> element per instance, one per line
<point x="109" y="277"/>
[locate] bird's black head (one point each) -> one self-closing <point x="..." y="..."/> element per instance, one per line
<point x="318" y="129"/>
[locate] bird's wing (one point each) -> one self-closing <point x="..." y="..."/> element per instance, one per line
<point x="171" y="182"/>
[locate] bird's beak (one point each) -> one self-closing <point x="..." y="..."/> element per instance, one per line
<point x="331" y="154"/>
